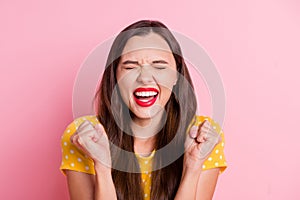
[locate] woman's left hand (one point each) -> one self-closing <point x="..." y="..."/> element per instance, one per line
<point x="199" y="143"/>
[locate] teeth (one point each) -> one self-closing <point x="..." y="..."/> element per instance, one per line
<point x="145" y="94"/>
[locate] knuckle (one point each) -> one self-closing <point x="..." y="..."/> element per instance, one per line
<point x="80" y="140"/>
<point x="199" y="138"/>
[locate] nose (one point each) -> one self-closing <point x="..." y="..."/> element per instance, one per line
<point x="145" y="76"/>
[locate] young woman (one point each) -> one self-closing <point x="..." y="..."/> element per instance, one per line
<point x="145" y="142"/>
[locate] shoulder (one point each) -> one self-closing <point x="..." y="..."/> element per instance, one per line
<point x="73" y="125"/>
<point x="217" y="157"/>
<point x="73" y="158"/>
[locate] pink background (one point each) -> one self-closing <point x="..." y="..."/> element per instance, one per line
<point x="254" y="44"/>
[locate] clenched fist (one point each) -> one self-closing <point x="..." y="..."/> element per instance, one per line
<point x="94" y="142"/>
<point x="199" y="143"/>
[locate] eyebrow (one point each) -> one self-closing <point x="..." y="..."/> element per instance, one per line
<point x="160" y="62"/>
<point x="130" y="62"/>
<point x="137" y="63"/>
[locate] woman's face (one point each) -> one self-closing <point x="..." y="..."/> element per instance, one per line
<point x="146" y="75"/>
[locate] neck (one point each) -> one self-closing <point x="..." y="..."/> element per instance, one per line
<point x="144" y="147"/>
<point x="149" y="127"/>
<point x="145" y="130"/>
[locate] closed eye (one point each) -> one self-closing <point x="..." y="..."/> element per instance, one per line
<point x="129" y="67"/>
<point x="130" y="64"/>
<point x="160" y="67"/>
<point x="160" y="64"/>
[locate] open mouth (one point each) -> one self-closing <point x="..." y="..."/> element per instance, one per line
<point x="145" y="96"/>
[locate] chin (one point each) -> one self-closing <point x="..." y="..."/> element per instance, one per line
<point x="147" y="113"/>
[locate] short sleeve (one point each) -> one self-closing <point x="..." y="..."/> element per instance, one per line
<point x="217" y="157"/>
<point x="72" y="157"/>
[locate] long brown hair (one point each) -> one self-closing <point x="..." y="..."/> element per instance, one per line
<point x="166" y="179"/>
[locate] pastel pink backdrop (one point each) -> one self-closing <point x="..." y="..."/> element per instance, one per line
<point x="254" y="44"/>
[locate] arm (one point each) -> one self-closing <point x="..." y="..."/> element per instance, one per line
<point x="94" y="142"/>
<point x="104" y="185"/>
<point x="195" y="182"/>
<point x="199" y="185"/>
<point x="188" y="185"/>
<point x="206" y="184"/>
<point x="83" y="186"/>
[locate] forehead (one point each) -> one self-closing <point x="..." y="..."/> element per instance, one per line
<point x="148" y="55"/>
<point x="152" y="41"/>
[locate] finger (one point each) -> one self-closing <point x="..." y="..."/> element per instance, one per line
<point x="98" y="134"/>
<point x="205" y="149"/>
<point x="210" y="127"/>
<point x="85" y="125"/>
<point x="76" y="143"/>
<point x="80" y="126"/>
<point x="88" y="135"/>
<point x="205" y="124"/>
<point x="194" y="131"/>
<point x="75" y="140"/>
<point x="188" y="141"/>
<point x="80" y="142"/>
<point x="72" y="137"/>
<point x="86" y="128"/>
<point x="212" y="134"/>
<point x="202" y="137"/>
<point x="204" y="127"/>
<point x="84" y="141"/>
<point x="100" y="129"/>
<point x="209" y="135"/>
<point x="203" y="133"/>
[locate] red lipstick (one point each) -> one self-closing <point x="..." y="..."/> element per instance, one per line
<point x="145" y="97"/>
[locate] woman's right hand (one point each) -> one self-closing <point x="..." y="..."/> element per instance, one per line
<point x="94" y="142"/>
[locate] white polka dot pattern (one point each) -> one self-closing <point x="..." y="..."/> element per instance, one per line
<point x="75" y="159"/>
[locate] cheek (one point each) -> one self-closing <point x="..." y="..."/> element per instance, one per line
<point x="124" y="92"/>
<point x="165" y="95"/>
<point x="125" y="83"/>
<point x="166" y="79"/>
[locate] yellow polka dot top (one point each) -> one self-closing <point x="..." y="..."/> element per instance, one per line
<point x="74" y="159"/>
